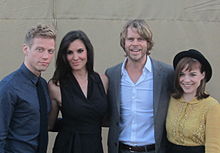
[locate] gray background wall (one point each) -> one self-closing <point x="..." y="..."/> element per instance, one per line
<point x="176" y="24"/>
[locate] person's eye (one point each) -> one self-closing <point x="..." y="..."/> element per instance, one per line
<point x="192" y="74"/>
<point x="40" y="50"/>
<point x="141" y="39"/>
<point x="69" y="52"/>
<point x="80" y="50"/>
<point x="51" y="51"/>
<point x="181" y="74"/>
<point x="130" y="39"/>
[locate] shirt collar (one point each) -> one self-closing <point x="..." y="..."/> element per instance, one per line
<point x="193" y="101"/>
<point x="147" y="66"/>
<point x="31" y="76"/>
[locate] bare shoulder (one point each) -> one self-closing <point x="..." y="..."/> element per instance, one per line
<point x="54" y="91"/>
<point x="104" y="79"/>
<point x="52" y="86"/>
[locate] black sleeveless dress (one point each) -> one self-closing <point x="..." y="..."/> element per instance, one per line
<point x="82" y="117"/>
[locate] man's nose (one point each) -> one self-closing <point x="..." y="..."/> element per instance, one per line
<point x="135" y="42"/>
<point x="45" y="54"/>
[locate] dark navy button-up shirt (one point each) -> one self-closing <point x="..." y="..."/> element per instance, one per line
<point x="19" y="112"/>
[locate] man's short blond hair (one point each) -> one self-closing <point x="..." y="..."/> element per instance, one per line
<point x="40" y="31"/>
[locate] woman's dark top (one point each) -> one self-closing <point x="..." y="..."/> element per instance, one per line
<point x="82" y="116"/>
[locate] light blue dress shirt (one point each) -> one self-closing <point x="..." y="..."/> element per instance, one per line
<point x="136" y="122"/>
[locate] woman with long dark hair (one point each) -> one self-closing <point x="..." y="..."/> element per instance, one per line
<point x="80" y="94"/>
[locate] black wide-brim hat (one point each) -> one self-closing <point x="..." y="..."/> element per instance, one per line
<point x="198" y="56"/>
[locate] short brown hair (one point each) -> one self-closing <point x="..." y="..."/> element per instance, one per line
<point x="143" y="30"/>
<point x="188" y="63"/>
<point x="39" y="31"/>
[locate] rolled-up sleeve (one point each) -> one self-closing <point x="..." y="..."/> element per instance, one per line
<point x="212" y="139"/>
<point x="7" y="101"/>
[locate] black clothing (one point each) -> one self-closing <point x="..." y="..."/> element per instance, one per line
<point x="82" y="116"/>
<point x="173" y="148"/>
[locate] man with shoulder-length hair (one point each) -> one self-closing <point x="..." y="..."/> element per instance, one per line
<point x="24" y="100"/>
<point x="139" y="90"/>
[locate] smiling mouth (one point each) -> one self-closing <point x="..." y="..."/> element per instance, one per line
<point x="135" y="50"/>
<point x="187" y="85"/>
<point x="75" y="64"/>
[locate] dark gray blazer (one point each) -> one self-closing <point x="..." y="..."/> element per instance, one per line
<point x="162" y="86"/>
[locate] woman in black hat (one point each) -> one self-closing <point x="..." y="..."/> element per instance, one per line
<point x="193" y="119"/>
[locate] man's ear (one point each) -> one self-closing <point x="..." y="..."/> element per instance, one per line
<point x="25" y="49"/>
